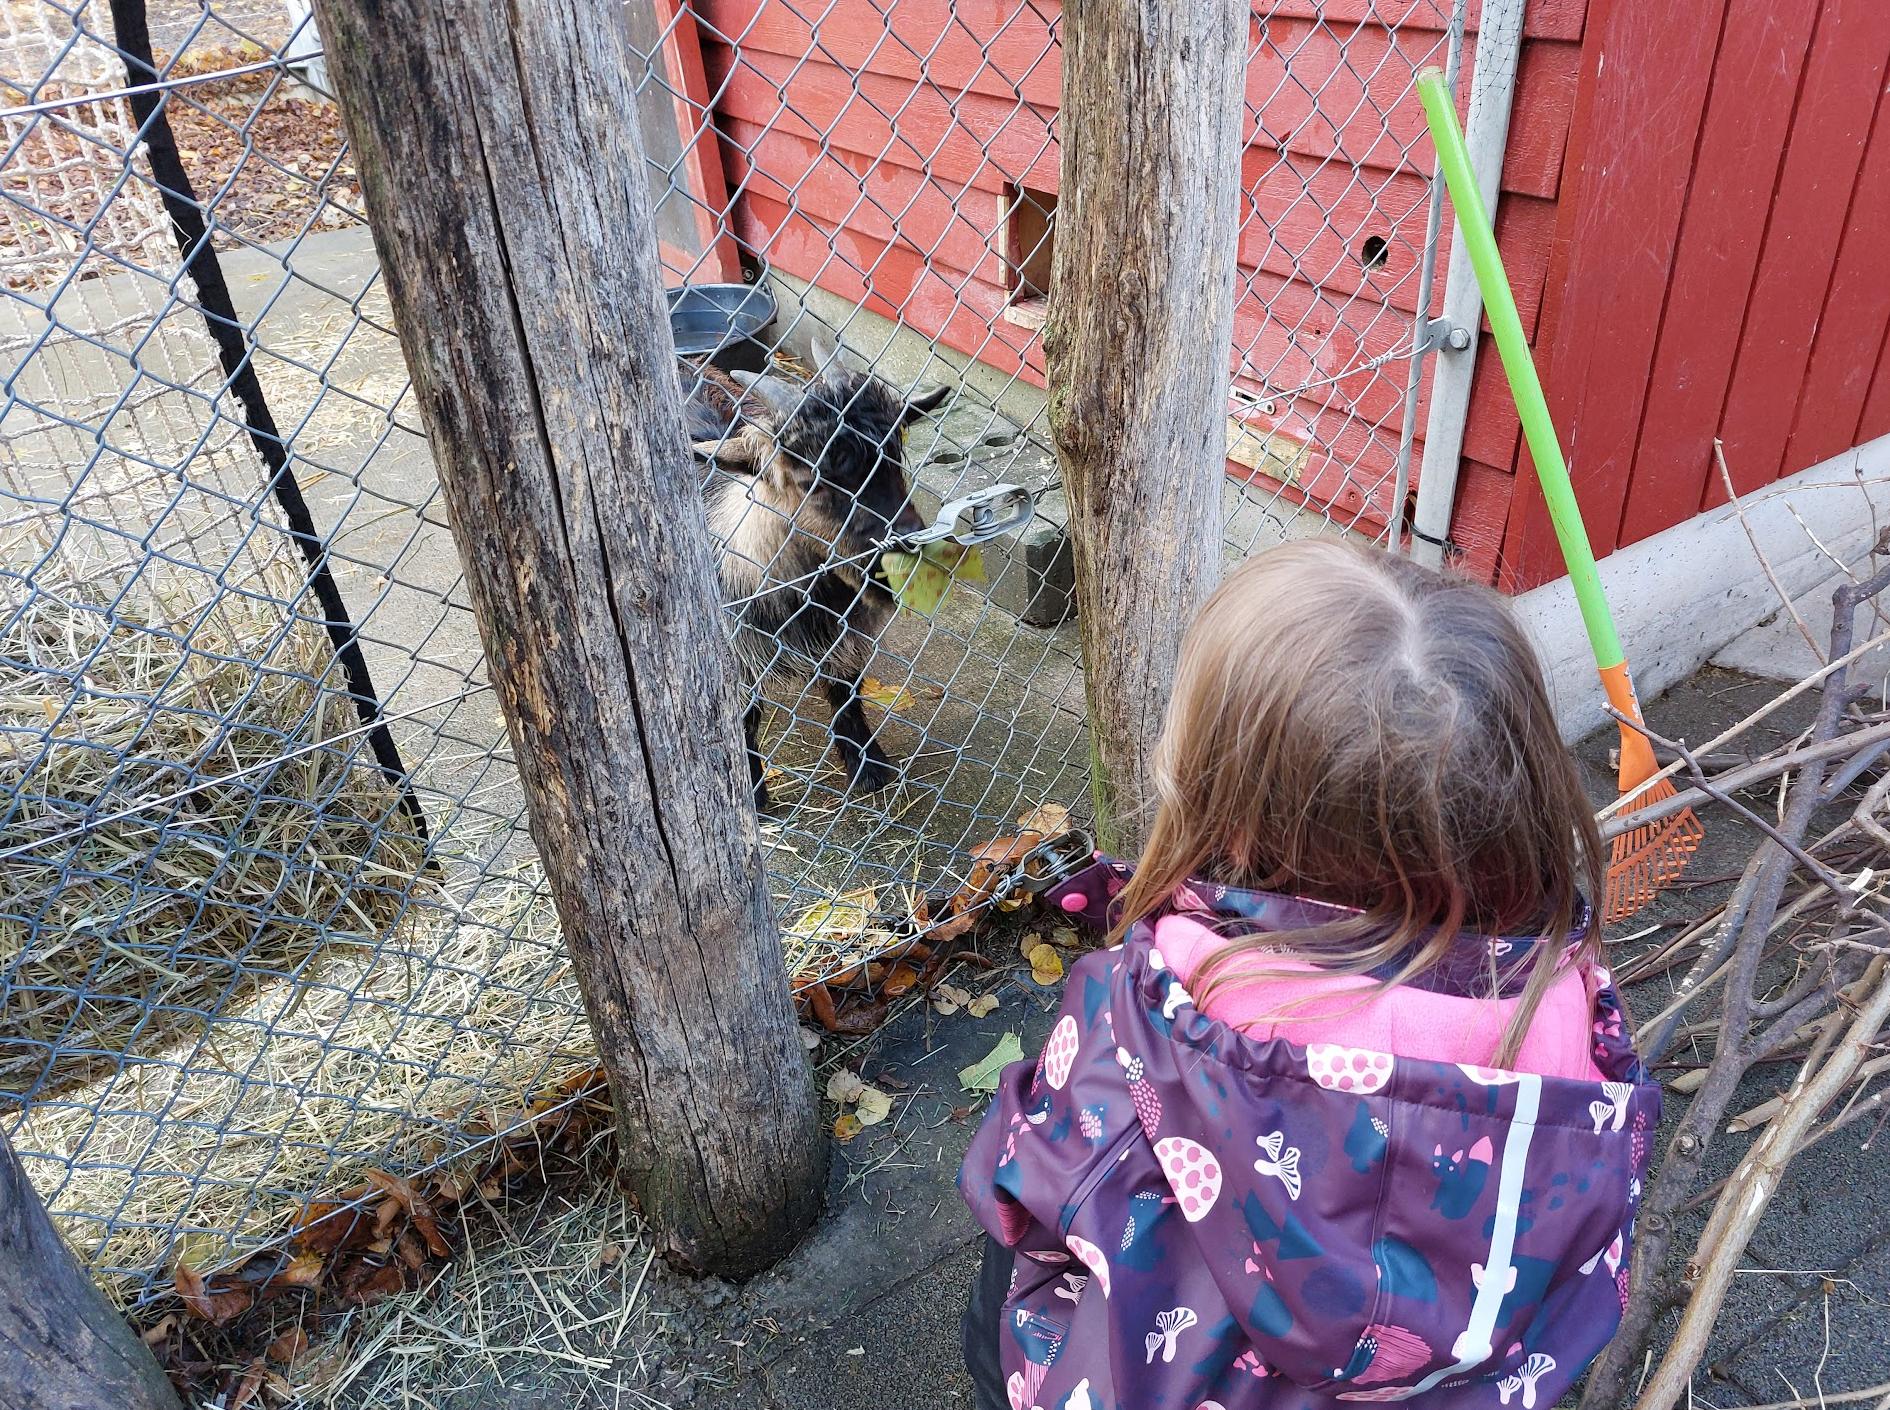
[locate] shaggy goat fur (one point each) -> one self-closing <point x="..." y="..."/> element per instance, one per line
<point x="806" y="484"/>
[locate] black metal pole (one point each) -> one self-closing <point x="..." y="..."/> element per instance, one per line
<point x="133" y="33"/>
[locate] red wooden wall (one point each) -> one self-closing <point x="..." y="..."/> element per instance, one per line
<point x="1717" y="267"/>
<point x="869" y="146"/>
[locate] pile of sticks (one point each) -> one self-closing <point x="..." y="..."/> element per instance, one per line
<point x="1794" y="968"/>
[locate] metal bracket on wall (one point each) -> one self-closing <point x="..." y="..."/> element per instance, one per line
<point x="1445" y="336"/>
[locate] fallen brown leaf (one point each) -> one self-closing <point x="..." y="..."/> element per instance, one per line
<point x="948" y="999"/>
<point x="380" y="1282"/>
<point x="323" y="1228"/>
<point x="304" y="1270"/>
<point x="1001" y="851"/>
<point x="408" y="1249"/>
<point x="1049" y="819"/>
<point x="290" y="1347"/>
<point x="846" y="1127"/>
<point x="216" y="1308"/>
<point x="247" y="1385"/>
<point x="820" y="1000"/>
<point x="899" y="981"/>
<point x="428" y="1227"/>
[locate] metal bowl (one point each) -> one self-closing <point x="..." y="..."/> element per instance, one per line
<point x="722" y="322"/>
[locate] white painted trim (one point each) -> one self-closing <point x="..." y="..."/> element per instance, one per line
<point x="1486" y="134"/>
<point x="1681" y="595"/>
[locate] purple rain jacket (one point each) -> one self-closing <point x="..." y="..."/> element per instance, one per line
<point x="1206" y="1222"/>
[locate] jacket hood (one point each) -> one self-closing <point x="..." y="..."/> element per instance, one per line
<point x="1208" y="1221"/>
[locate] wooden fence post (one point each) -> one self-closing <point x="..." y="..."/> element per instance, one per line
<point x="63" y="1346"/>
<point x="1137" y="340"/>
<point x="499" y="153"/>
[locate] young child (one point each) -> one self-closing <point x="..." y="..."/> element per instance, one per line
<point x="1348" y="1111"/>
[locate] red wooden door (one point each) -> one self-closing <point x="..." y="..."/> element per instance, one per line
<point x="1715" y="272"/>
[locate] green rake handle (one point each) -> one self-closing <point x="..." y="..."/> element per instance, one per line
<point x="1499" y="304"/>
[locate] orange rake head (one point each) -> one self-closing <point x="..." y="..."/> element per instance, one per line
<point x="1651" y="856"/>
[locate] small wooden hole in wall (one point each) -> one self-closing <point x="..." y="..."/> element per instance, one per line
<point x="1028" y="237"/>
<point x="1374" y="252"/>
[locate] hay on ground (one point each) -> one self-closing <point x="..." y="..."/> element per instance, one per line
<point x="192" y="811"/>
<point x="402" y="1055"/>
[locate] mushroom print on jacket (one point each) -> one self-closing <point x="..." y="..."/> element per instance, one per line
<point x="1208" y="1222"/>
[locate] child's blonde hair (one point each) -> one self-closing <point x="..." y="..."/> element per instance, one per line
<point x="1349" y="726"/>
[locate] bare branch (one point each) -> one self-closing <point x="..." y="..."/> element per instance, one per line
<point x="1725" y="478"/>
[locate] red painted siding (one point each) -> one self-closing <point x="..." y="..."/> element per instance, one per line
<point x="1714" y="271"/>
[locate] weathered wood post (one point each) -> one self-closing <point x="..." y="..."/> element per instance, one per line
<point x="1137" y="339"/>
<point x="62" y="1345"/>
<point x="499" y="152"/>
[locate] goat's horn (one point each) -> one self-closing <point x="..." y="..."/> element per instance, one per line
<point x="782" y="398"/>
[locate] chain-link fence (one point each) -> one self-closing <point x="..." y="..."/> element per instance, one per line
<point x="268" y="912"/>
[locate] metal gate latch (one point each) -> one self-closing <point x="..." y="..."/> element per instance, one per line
<point x="978" y="517"/>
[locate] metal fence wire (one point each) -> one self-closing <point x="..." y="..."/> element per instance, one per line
<point x="268" y="910"/>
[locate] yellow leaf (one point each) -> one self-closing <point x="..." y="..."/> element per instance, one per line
<point x="845" y="1128"/>
<point x="1028" y="942"/>
<point x="1047" y="818"/>
<point x="1063" y="939"/>
<point x="874" y="1107"/>
<point x="1046" y="965"/>
<point x="982" y="1005"/>
<point x="844" y="1086"/>
<point x="887" y="697"/>
<point x="920" y="581"/>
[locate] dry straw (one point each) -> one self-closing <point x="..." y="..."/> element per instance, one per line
<point x="123" y="923"/>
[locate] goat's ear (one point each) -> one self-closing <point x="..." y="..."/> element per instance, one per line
<point x="781" y="398"/>
<point x="927" y="404"/>
<point x="745" y="451"/>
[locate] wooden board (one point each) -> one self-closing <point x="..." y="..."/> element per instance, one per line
<point x="1631" y="165"/>
<point x="1842" y="81"/>
<point x="1001" y="50"/>
<point x="1715" y="269"/>
<point x="1729" y="204"/>
<point x="1830" y="416"/>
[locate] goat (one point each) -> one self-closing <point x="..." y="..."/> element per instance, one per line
<point x="805" y="486"/>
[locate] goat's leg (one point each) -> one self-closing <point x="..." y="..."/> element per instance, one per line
<point x="866" y="763"/>
<point x="757" y="766"/>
